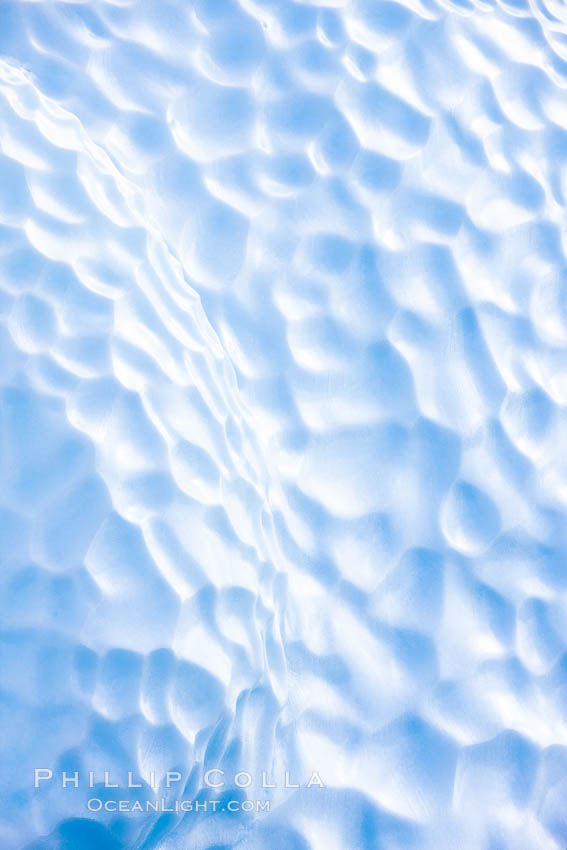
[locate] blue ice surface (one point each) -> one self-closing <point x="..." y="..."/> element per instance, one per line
<point x="283" y="487"/>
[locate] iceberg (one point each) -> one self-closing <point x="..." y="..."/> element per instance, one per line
<point x="283" y="416"/>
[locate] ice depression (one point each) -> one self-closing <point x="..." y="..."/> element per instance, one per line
<point x="283" y="383"/>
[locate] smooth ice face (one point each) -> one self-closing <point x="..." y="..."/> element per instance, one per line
<point x="283" y="378"/>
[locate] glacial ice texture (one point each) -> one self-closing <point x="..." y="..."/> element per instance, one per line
<point x="283" y="419"/>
